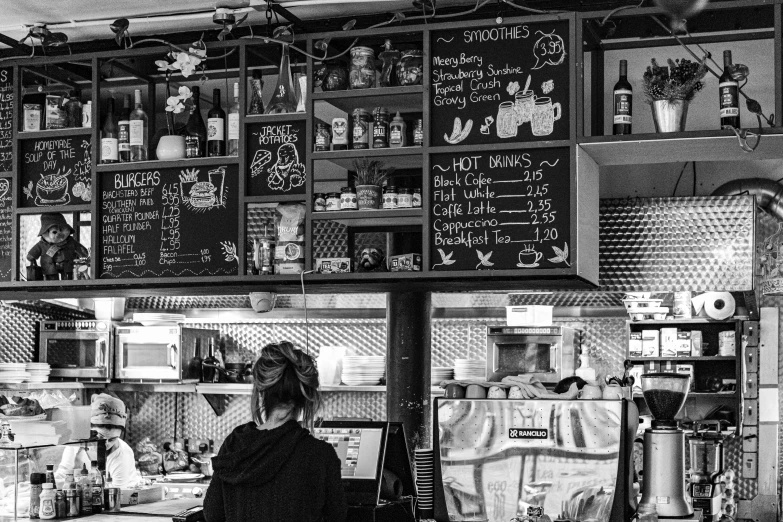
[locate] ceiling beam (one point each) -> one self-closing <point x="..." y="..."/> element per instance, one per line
<point x="12" y="43"/>
<point x="288" y="15"/>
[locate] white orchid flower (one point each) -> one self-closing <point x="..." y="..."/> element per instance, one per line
<point x="185" y="93"/>
<point x="174" y="104"/>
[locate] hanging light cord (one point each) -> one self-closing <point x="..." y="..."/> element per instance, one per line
<point x="304" y="298"/>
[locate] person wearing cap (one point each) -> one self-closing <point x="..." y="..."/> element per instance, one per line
<point x="57" y="248"/>
<point x="107" y="420"/>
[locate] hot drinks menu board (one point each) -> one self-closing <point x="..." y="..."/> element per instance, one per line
<point x="276" y="158"/>
<point x="6" y="229"/>
<point x="56" y="172"/>
<point x="6" y="119"/>
<point x="172" y="222"/>
<point x="500" y="84"/>
<point x="503" y="210"/>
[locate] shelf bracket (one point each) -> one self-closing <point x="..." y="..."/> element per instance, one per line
<point x="217" y="402"/>
<point x="130" y="70"/>
<point x="53" y="74"/>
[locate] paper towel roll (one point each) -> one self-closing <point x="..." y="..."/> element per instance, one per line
<point x="717" y="305"/>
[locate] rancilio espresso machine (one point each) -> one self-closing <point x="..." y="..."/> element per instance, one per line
<point x="664" y="447"/>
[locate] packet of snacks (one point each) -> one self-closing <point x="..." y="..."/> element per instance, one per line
<point x="289" y="227"/>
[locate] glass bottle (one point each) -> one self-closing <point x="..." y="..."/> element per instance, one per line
<point x="361" y="129"/>
<point x="397" y="132"/>
<point x="73" y="109"/>
<point x="209" y="364"/>
<point x="84" y="482"/>
<point x="233" y="124"/>
<point x="138" y="135"/>
<point x="123" y="141"/>
<point x="257" y="90"/>
<point x="284" y="96"/>
<point x="195" y="130"/>
<point x="418" y="133"/>
<point x="96" y="480"/>
<point x="623" y="102"/>
<point x="380" y="128"/>
<point x="216" y="127"/>
<point x="109" y="136"/>
<point x="729" y="96"/>
<point x="390" y="59"/>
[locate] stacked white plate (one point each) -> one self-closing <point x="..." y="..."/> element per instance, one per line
<point x="424" y="465"/>
<point x="13" y="373"/>
<point x="152" y="319"/>
<point x="470" y="370"/>
<point x="441" y="373"/>
<point x="39" y="372"/>
<point x="363" y="370"/>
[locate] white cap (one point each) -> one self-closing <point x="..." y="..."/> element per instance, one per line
<point x="48" y="485"/>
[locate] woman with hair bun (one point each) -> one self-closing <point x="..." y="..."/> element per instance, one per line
<point x="272" y="469"/>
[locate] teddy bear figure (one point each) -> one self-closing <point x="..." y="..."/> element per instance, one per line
<point x="57" y="248"/>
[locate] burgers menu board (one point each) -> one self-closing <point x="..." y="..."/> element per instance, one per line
<point x="500" y="84"/>
<point x="501" y="210"/>
<point x="6" y="119"/>
<point x="6" y="229"/>
<point x="171" y="222"/>
<point x="56" y="172"/>
<point x="276" y="158"/>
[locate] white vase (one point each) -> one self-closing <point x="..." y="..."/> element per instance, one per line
<point x="171" y="148"/>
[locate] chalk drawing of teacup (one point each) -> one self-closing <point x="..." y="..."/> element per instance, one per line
<point x="529" y="258"/>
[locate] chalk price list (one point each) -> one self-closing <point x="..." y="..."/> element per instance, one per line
<point x="6" y="119"/>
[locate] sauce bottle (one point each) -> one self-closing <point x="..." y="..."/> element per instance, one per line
<point x="48" y="510"/>
<point x="397" y="132"/>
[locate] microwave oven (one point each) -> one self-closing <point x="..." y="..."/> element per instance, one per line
<point x="76" y="350"/>
<point x="160" y="353"/>
<point x="545" y="353"/>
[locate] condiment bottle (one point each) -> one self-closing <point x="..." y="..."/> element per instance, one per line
<point x="397" y="131"/>
<point x="340" y="133"/>
<point x="86" y="487"/>
<point x="96" y="481"/>
<point x="50" y="474"/>
<point x="36" y="487"/>
<point x="60" y="506"/>
<point x="48" y="509"/>
<point x="380" y="129"/>
<point x="418" y="133"/>
<point x="322" y="136"/>
<point x="361" y="129"/>
<point x="71" y="504"/>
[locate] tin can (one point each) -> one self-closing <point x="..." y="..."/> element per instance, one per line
<point x="319" y="202"/>
<point x="682" y="305"/>
<point x="265" y="258"/>
<point x="111" y="499"/>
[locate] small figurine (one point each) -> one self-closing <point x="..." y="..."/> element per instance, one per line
<point x="57" y="249"/>
<point x="372" y="260"/>
<point x="175" y="457"/>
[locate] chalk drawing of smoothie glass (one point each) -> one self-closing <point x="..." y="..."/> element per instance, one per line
<point x="545" y="113"/>
<point x="506" y="123"/>
<point x="523" y="106"/>
<point x="529" y="257"/>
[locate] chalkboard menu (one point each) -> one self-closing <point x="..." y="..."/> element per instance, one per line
<point x="501" y="210"/>
<point x="56" y="172"/>
<point x="169" y="223"/>
<point x="6" y="229"/>
<point x="500" y="84"/>
<point x="276" y="158"/>
<point x="6" y="119"/>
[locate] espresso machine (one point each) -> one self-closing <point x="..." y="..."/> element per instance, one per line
<point x="706" y="450"/>
<point x="664" y="446"/>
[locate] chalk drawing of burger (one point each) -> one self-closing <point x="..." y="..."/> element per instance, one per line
<point x="287" y="172"/>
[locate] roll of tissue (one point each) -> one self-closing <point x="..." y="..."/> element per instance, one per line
<point x="717" y="305"/>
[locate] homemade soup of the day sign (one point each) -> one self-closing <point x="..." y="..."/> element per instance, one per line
<point x="276" y="158"/>
<point x="500" y="84"/>
<point x="171" y="222"/>
<point x="56" y="172"/>
<point x="501" y="210"/>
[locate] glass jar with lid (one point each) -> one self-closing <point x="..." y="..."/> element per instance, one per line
<point x="333" y="201"/>
<point x="411" y="68"/>
<point x="319" y="202"/>
<point x="348" y="199"/>
<point x="404" y="198"/>
<point x="362" y="73"/>
<point x="389" y="197"/>
<point x="323" y="137"/>
<point x="332" y="76"/>
<point x="361" y="129"/>
<point x="416" y="198"/>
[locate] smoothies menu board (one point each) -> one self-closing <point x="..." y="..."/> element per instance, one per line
<point x="6" y="120"/>
<point x="6" y="229"/>
<point x="56" y="172"/>
<point x="170" y="222"/>
<point x="501" y="210"/>
<point x="500" y="84"/>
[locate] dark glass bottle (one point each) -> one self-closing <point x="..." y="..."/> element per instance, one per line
<point x="124" y="131"/>
<point x="195" y="364"/>
<point x="216" y="127"/>
<point x="209" y="373"/>
<point x="729" y="96"/>
<point x="623" y="102"/>
<point x="195" y="130"/>
<point x="109" y="136"/>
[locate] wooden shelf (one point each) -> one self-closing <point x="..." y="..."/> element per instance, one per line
<point x="56" y="133"/>
<point x="683" y="359"/>
<point x="675" y="147"/>
<point x="399" y="158"/>
<point x="694" y="320"/>
<point x="403" y="99"/>
<point x="280" y="198"/>
<point x="275" y="118"/>
<point x="63" y="208"/>
<point x="53" y="385"/>
<point x="386" y="218"/>
<point x="181" y="163"/>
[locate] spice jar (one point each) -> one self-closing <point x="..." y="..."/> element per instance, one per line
<point x="361" y="129"/>
<point x="404" y="198"/>
<point x="418" y="133"/>
<point x="333" y="201"/>
<point x="348" y="199"/>
<point x="410" y="68"/>
<point x="322" y="137"/>
<point x="390" y="197"/>
<point x="362" y="74"/>
<point x="416" y="198"/>
<point x="319" y="202"/>
<point x="380" y="129"/>
<point x="340" y="136"/>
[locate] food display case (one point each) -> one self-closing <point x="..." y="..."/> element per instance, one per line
<point x="16" y="465"/>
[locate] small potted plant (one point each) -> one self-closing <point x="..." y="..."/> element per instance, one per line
<point x="369" y="176"/>
<point x="669" y="90"/>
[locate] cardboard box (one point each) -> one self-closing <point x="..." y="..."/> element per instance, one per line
<point x="668" y="342"/>
<point x="651" y="343"/>
<point x="635" y="344"/>
<point x="686" y="369"/>
<point x="529" y="315"/>
<point x="668" y="367"/>
<point x="683" y="344"/>
<point x="333" y="265"/>
<point x="405" y="263"/>
<point x="697" y="350"/>
<point x="145" y="495"/>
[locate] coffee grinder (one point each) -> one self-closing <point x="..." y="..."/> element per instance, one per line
<point x="706" y="468"/>
<point x="664" y="446"/>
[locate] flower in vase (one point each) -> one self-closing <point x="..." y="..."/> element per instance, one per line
<point x="176" y="104"/>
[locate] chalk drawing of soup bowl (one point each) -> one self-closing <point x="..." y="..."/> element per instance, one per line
<point x="52" y="187"/>
<point x="529" y="258"/>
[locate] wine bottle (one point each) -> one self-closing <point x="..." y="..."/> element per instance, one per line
<point x="123" y="146"/>
<point x="233" y="124"/>
<point x="729" y="96"/>
<point x="109" y="136"/>
<point x="195" y="130"/>
<point x="139" y="124"/>
<point x="209" y="364"/>
<point x="216" y="127"/>
<point x="623" y="102"/>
